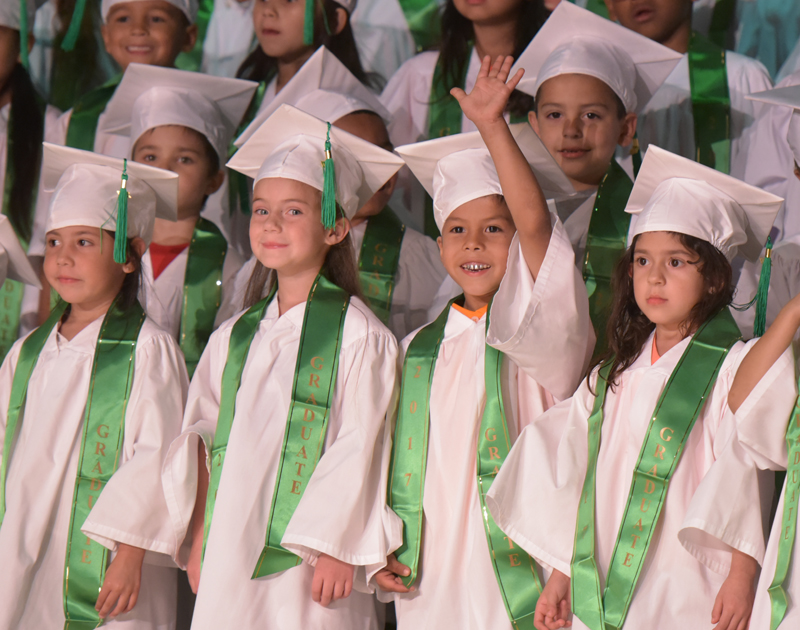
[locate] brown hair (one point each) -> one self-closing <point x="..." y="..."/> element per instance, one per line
<point x="628" y="327"/>
<point x="129" y="292"/>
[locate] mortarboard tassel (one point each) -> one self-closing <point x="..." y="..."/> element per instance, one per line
<point x="328" y="186"/>
<point x="71" y="36"/>
<point x="760" y="324"/>
<point x="23" y="33"/>
<point x="121" y="235"/>
<point x="308" y="23"/>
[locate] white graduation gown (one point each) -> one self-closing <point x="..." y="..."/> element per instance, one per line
<point x="162" y="298"/>
<point x="341" y="510"/>
<point x="30" y="296"/>
<point x="41" y="479"/>
<point x="543" y="328"/>
<point x="382" y="36"/>
<point x="667" y="119"/>
<point x="229" y="38"/>
<point x="535" y="496"/>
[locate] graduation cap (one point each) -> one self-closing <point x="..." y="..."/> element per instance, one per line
<point x="785" y="97"/>
<point x="14" y="263"/>
<point x="152" y="96"/>
<point x="457" y="169"/>
<point x="576" y="41"/>
<point x="294" y="145"/>
<point x="187" y="7"/>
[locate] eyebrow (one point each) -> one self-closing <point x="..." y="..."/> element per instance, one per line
<point x="585" y="105"/>
<point x="152" y="147"/>
<point x="684" y="252"/>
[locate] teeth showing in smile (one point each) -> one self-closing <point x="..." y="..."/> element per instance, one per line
<point x="475" y="266"/>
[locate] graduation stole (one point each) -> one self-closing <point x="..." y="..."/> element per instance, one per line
<point x="424" y="22"/>
<point x="306" y="425"/>
<point x="11" y="305"/>
<point x="202" y="290"/>
<point x="379" y="259"/>
<point x="674" y="416"/>
<point x="711" y="103"/>
<point x="101" y="443"/>
<point x="85" y="114"/>
<point x="239" y="186"/>
<point x="779" y="600"/>
<point x="193" y="60"/>
<point x="605" y="243"/>
<point x="514" y="569"/>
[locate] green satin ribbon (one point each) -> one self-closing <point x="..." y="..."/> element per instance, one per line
<point x="239" y="185"/>
<point x="605" y="243"/>
<point x="379" y="259"/>
<point x="28" y="356"/>
<point x="514" y="569"/>
<point x="779" y="599"/>
<point x="711" y="103"/>
<point x="193" y="60"/>
<point x="424" y="21"/>
<point x="673" y="419"/>
<point x="202" y="290"/>
<point x="85" y="114"/>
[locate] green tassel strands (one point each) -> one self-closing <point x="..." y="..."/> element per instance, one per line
<point x="308" y="24"/>
<point x="328" y="186"/>
<point x="763" y="290"/>
<point x="71" y="36"/>
<point x="121" y="235"/>
<point x="23" y="33"/>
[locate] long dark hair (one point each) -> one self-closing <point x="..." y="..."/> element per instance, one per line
<point x="458" y="32"/>
<point x="259" y="67"/>
<point x="628" y="327"/>
<point x="26" y="139"/>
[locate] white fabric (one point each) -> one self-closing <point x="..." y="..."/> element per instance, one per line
<point x="341" y="510"/>
<point x="543" y="329"/>
<point x="187" y="7"/>
<point x="41" y="478"/>
<point x="10" y="13"/>
<point x="382" y="36"/>
<point x="667" y="120"/>
<point x="460" y="178"/>
<point x="15" y="262"/>
<point x="535" y="496"/>
<point x="162" y="297"/>
<point x="229" y="37"/>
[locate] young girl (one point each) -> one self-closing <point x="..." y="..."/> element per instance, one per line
<point x="24" y="122"/>
<point x="653" y="419"/>
<point x="503" y="248"/>
<point x="88" y="402"/>
<point x="289" y="517"/>
<point x="183" y="122"/>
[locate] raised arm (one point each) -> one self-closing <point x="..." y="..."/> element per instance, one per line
<point x="484" y="106"/>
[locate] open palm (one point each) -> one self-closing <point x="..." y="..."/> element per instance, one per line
<point x="487" y="100"/>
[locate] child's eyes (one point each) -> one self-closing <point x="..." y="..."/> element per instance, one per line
<point x="494" y="229"/>
<point x="260" y="211"/>
<point x="675" y="262"/>
<point x="185" y="159"/>
<point x="84" y="242"/>
<point x="294" y="212"/>
<point x="149" y="157"/>
<point x="592" y="116"/>
<point x="52" y="242"/>
<point x="457" y="230"/>
<point x="641" y="261"/>
<point x="554" y="115"/>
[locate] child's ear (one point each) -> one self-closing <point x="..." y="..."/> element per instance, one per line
<point x="612" y="14"/>
<point x="627" y="129"/>
<point x="341" y="20"/>
<point x="190" y="38"/>
<point x="439" y="243"/>
<point x="338" y="233"/>
<point x="139" y="247"/>
<point x="533" y="121"/>
<point x="215" y="182"/>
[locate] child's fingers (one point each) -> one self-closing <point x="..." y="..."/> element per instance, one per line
<point x="327" y="592"/>
<point x="316" y="588"/>
<point x="112" y="596"/>
<point x="348" y="588"/>
<point x="505" y="67"/>
<point x="716" y="612"/>
<point x="397" y="567"/>
<point x="724" y="621"/>
<point x="338" y="590"/>
<point x="122" y="604"/>
<point x="486" y="64"/>
<point x="744" y="624"/>
<point x="513" y="82"/>
<point x="458" y="94"/>
<point x="134" y="598"/>
<point x="101" y="600"/>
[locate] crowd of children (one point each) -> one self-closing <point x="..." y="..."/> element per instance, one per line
<point x="495" y="303"/>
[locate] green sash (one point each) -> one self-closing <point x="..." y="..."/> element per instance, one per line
<point x="779" y="600"/>
<point x="202" y="290"/>
<point x="514" y="569"/>
<point x="379" y="259"/>
<point x="85" y="114"/>
<point x="673" y="419"/>
<point x="606" y="242"/>
<point x="304" y="438"/>
<point x="239" y="185"/>
<point x="424" y="22"/>
<point x="711" y="103"/>
<point x="193" y="60"/>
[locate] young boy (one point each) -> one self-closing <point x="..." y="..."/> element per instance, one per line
<point x="399" y="268"/>
<point x="700" y="112"/>
<point x="503" y="247"/>
<point x="183" y="122"/>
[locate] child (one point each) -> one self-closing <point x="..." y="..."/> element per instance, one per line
<point x="183" y="122"/>
<point x="24" y="122"/>
<point x="311" y="350"/>
<point x="661" y="394"/>
<point x="701" y="111"/>
<point x="502" y="246"/>
<point x="84" y="429"/>
<point x="418" y="95"/>
<point x="399" y="268"/>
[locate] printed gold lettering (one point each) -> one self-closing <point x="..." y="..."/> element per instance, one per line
<point x="296" y="486"/>
<point x="660" y="450"/>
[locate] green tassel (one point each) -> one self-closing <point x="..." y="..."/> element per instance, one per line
<point x="308" y="24"/>
<point x="71" y="36"/>
<point x="121" y="235"/>
<point x="760" y="324"/>
<point x="23" y="33"/>
<point x="328" y="186"/>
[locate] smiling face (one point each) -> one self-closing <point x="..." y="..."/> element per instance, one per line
<point x="667" y="281"/>
<point x="578" y="119"/>
<point x="151" y="32"/>
<point x="185" y="152"/>
<point x="80" y="269"/>
<point x="278" y="26"/>
<point x="474" y="247"/>
<point x="655" y="19"/>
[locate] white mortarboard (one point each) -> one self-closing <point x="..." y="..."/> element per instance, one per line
<point x="151" y="96"/>
<point x="323" y="87"/>
<point x="86" y="185"/>
<point x="576" y="41"/>
<point x="187" y="7"/>
<point x="786" y="97"/>
<point x="457" y="169"/>
<point x="291" y="145"/>
<point x="674" y="194"/>
<point x="11" y="12"/>
<point x="14" y="263"/>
